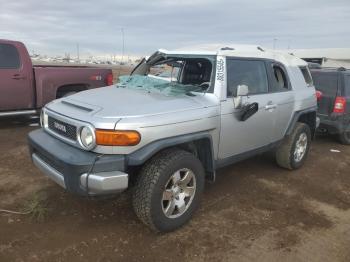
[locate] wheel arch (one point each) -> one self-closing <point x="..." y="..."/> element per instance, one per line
<point x="307" y="117"/>
<point x="61" y="90"/>
<point x="199" y="144"/>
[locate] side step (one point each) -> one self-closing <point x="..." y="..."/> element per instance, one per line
<point x="18" y="113"/>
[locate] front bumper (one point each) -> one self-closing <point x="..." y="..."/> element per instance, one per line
<point x="80" y="172"/>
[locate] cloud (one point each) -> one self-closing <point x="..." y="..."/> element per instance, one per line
<point x="55" y="27"/>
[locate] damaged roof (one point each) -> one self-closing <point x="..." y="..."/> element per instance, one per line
<point x="238" y="50"/>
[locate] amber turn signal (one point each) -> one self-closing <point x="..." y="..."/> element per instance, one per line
<point x="117" y="137"/>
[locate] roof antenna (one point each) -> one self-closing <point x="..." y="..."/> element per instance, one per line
<point x="227" y="48"/>
<point x="259" y="48"/>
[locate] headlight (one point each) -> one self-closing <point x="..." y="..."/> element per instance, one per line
<point x="87" y="137"/>
<point x="43" y="119"/>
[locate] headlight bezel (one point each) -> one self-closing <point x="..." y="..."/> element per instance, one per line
<point x="80" y="138"/>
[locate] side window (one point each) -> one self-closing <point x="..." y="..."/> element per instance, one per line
<point x="307" y="76"/>
<point x="280" y="81"/>
<point x="9" y="57"/>
<point x="246" y="72"/>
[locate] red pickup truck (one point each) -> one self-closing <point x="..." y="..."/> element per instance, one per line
<point x="25" y="88"/>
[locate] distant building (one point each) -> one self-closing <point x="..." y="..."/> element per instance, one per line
<point x="327" y="57"/>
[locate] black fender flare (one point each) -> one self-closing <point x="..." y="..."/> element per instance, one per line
<point x="296" y="117"/>
<point x="143" y="154"/>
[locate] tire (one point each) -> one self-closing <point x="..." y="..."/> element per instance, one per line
<point x="344" y="138"/>
<point x="155" y="178"/>
<point x="285" y="154"/>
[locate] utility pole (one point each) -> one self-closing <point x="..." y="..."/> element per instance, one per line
<point x="78" y="55"/>
<point x="274" y="43"/>
<point x="122" y="30"/>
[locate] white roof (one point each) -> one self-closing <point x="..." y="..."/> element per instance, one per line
<point x="331" y="53"/>
<point x="238" y="50"/>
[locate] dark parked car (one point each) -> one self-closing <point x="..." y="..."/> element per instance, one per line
<point x="334" y="102"/>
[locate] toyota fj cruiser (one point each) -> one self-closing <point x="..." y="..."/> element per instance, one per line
<point x="165" y="137"/>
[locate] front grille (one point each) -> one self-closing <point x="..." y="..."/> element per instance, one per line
<point x="64" y="129"/>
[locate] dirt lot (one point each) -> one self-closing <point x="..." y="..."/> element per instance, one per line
<point x="254" y="212"/>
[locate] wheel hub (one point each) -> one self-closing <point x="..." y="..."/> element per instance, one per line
<point x="300" y="147"/>
<point x="176" y="192"/>
<point x="179" y="192"/>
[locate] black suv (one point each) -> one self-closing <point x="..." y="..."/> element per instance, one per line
<point x="333" y="85"/>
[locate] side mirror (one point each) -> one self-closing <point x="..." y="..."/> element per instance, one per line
<point x="242" y="90"/>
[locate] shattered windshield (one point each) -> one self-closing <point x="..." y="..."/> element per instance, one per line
<point x="152" y="84"/>
<point x="171" y="75"/>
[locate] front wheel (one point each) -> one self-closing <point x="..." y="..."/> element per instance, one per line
<point x="291" y="154"/>
<point x="168" y="190"/>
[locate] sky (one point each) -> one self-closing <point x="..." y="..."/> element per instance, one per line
<point x="56" y="27"/>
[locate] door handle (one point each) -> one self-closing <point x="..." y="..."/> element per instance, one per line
<point x="270" y="106"/>
<point x="18" y="77"/>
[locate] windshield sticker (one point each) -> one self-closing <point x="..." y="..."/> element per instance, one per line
<point x="220" y="70"/>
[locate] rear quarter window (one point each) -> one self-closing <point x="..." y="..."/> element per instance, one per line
<point x="9" y="57"/>
<point x="307" y="76"/>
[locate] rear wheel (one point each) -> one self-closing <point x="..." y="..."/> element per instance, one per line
<point x="293" y="151"/>
<point x="344" y="138"/>
<point x="168" y="190"/>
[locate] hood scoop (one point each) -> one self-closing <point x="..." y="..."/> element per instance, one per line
<point x="84" y="108"/>
<point x="69" y="106"/>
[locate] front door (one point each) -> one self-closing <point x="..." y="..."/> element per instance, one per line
<point x="15" y="83"/>
<point x="237" y="136"/>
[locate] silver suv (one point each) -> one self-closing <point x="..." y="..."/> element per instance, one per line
<point x="165" y="136"/>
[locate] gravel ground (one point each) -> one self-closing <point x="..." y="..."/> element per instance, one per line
<point x="254" y="212"/>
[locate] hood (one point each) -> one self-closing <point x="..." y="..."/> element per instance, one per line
<point x="114" y="102"/>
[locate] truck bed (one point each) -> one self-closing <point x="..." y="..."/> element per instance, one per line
<point x="49" y="78"/>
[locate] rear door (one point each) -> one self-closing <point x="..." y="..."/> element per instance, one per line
<point x="282" y="96"/>
<point x="327" y="83"/>
<point x="15" y="81"/>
